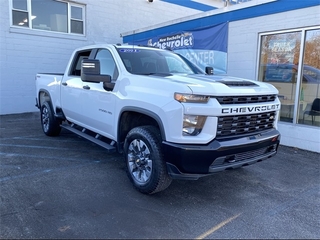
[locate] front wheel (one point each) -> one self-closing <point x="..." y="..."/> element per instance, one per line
<point x="146" y="168"/>
<point x="50" y="124"/>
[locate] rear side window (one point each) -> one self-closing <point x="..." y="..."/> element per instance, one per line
<point x="76" y="65"/>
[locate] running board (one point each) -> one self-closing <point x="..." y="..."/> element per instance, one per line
<point x="97" y="141"/>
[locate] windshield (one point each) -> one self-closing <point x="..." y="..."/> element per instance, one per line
<point x="153" y="62"/>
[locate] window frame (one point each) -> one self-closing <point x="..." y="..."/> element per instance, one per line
<point x="303" y="30"/>
<point x="69" y="19"/>
<point x="77" y="59"/>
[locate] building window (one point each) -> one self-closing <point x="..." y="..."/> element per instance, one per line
<point x="76" y="20"/>
<point x="309" y="93"/>
<point x="49" y="15"/>
<point x="20" y="13"/>
<point x="291" y="62"/>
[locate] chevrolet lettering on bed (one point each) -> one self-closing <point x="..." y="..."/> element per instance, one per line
<point x="168" y="118"/>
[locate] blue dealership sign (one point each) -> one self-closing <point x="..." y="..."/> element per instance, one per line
<point x="204" y="47"/>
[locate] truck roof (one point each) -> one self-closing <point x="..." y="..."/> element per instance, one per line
<point x="118" y="45"/>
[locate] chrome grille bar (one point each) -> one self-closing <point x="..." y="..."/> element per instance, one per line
<point x="244" y="124"/>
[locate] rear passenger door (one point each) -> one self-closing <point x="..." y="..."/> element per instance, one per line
<point x="99" y="99"/>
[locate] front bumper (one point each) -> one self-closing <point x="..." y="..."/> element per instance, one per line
<point x="187" y="161"/>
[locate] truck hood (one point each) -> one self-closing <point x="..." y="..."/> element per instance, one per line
<point x="218" y="85"/>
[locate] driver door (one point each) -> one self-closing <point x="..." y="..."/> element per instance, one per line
<point x="98" y="102"/>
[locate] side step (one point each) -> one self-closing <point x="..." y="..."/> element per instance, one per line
<point x="97" y="141"/>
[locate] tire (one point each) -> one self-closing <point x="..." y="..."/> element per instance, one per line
<point x="50" y="124"/>
<point x="146" y="167"/>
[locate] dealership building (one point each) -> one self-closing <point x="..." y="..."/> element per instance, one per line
<point x="274" y="41"/>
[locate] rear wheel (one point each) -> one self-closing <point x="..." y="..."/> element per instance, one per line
<point x="145" y="164"/>
<point x="50" y="124"/>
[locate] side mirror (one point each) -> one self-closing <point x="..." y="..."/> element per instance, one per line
<point x="90" y="71"/>
<point x="209" y="70"/>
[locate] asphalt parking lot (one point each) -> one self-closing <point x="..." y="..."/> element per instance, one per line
<point x="67" y="187"/>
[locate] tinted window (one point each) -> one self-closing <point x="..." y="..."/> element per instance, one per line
<point x="146" y="61"/>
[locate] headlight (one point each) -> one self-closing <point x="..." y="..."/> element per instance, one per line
<point x="191" y="98"/>
<point x="192" y="124"/>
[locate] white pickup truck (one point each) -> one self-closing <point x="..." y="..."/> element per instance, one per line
<point x="170" y="119"/>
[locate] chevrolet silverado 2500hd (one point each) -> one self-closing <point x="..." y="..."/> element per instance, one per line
<point x="169" y="118"/>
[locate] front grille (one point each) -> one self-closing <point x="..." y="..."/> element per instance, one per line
<point x="250" y="154"/>
<point x="246" y="99"/>
<point x="253" y="155"/>
<point x="238" y="125"/>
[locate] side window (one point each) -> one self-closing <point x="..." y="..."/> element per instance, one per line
<point x="76" y="65"/>
<point x="107" y="64"/>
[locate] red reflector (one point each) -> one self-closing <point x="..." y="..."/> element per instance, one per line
<point x="274" y="139"/>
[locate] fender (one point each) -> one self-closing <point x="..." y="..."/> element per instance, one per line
<point x="145" y="112"/>
<point x="39" y="100"/>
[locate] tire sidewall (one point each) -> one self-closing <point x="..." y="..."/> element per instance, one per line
<point x="53" y="128"/>
<point x="141" y="133"/>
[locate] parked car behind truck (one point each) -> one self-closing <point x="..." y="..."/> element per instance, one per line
<point x="168" y="118"/>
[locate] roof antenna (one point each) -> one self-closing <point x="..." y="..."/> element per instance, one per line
<point x="133" y="39"/>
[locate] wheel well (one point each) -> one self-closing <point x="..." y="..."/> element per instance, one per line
<point x="129" y="120"/>
<point x="43" y="97"/>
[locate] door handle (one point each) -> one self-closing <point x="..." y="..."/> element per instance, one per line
<point x="86" y="87"/>
<point x="64" y="84"/>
